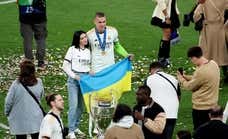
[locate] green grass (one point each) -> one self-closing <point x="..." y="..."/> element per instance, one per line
<point x="130" y="17"/>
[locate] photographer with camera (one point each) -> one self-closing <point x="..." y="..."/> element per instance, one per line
<point x="166" y="16"/>
<point x="204" y="84"/>
<point x="212" y="35"/>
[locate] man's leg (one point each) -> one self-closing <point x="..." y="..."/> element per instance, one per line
<point x="169" y="128"/>
<point x="27" y="35"/>
<point x="40" y="33"/>
<point x="200" y="117"/>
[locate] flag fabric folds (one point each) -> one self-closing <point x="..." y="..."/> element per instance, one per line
<point x="115" y="79"/>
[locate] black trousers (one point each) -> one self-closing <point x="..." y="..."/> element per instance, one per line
<point x="169" y="128"/>
<point x="34" y="136"/>
<point x="200" y="117"/>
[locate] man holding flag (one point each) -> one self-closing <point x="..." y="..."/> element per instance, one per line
<point x="103" y="41"/>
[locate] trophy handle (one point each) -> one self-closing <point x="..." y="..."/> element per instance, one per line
<point x="90" y="107"/>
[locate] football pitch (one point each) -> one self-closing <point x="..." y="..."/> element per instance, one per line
<point x="132" y="20"/>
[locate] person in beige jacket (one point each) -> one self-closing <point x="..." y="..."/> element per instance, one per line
<point x="212" y="35"/>
<point x="165" y="16"/>
<point x="204" y="84"/>
<point x="123" y="126"/>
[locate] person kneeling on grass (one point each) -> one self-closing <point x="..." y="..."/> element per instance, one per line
<point x="123" y="125"/>
<point x="52" y="125"/>
<point x="149" y="115"/>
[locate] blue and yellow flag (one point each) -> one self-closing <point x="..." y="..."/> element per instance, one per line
<point x="116" y="77"/>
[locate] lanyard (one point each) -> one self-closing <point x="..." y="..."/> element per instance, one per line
<point x="102" y="45"/>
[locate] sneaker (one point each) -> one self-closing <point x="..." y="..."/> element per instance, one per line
<point x="71" y="135"/>
<point x="165" y="63"/>
<point x="79" y="132"/>
<point x="41" y="65"/>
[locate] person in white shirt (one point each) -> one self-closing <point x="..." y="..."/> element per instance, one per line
<point x="165" y="16"/>
<point x="50" y="127"/>
<point x="76" y="63"/>
<point x="165" y="92"/>
<point x="103" y="41"/>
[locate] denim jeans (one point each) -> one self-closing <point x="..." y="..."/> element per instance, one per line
<point x="76" y="103"/>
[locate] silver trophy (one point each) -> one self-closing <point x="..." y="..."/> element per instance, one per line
<point x="101" y="109"/>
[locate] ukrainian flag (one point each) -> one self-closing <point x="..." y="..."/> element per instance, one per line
<point x="115" y="79"/>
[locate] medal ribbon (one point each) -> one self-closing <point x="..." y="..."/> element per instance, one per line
<point x="102" y="45"/>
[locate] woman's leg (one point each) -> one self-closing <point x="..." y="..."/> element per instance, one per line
<point x="73" y="103"/>
<point x="164" y="49"/>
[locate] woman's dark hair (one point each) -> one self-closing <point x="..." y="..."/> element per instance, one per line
<point x="184" y="134"/>
<point x="27" y="73"/>
<point x="76" y="39"/>
<point x="195" y="51"/>
<point x="121" y="111"/>
<point x="49" y="98"/>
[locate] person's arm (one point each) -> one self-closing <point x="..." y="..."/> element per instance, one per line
<point x="46" y="127"/>
<point x="68" y="71"/>
<point x="198" y="13"/>
<point x="67" y="64"/>
<point x="157" y="125"/>
<point x="119" y="49"/>
<point x="192" y="84"/>
<point x="9" y="100"/>
<point x="162" y="5"/>
<point x="187" y="77"/>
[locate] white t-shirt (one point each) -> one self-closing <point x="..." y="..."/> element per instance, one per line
<point x="50" y="127"/>
<point x="79" y="59"/>
<point x="163" y="93"/>
<point x="99" y="59"/>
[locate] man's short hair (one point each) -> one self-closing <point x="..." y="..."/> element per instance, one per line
<point x="195" y="51"/>
<point x="217" y="111"/>
<point x="184" y="134"/>
<point x="99" y="14"/>
<point x="50" y="97"/>
<point x="145" y="90"/>
<point x="155" y="65"/>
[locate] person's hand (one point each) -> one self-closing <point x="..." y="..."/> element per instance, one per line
<point x="77" y="77"/>
<point x="180" y="76"/>
<point x="167" y="21"/>
<point x="92" y="73"/>
<point x="138" y="115"/>
<point x="130" y="57"/>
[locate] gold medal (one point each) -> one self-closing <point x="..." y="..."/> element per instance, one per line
<point x="103" y="53"/>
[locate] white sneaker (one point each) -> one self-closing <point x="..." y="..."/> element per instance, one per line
<point x="79" y="132"/>
<point x="71" y="135"/>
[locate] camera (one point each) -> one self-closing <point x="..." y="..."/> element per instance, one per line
<point x="181" y="70"/>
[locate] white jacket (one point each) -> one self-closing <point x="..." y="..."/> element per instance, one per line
<point x="162" y="5"/>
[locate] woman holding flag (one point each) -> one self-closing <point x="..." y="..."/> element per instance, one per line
<point x="76" y="63"/>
